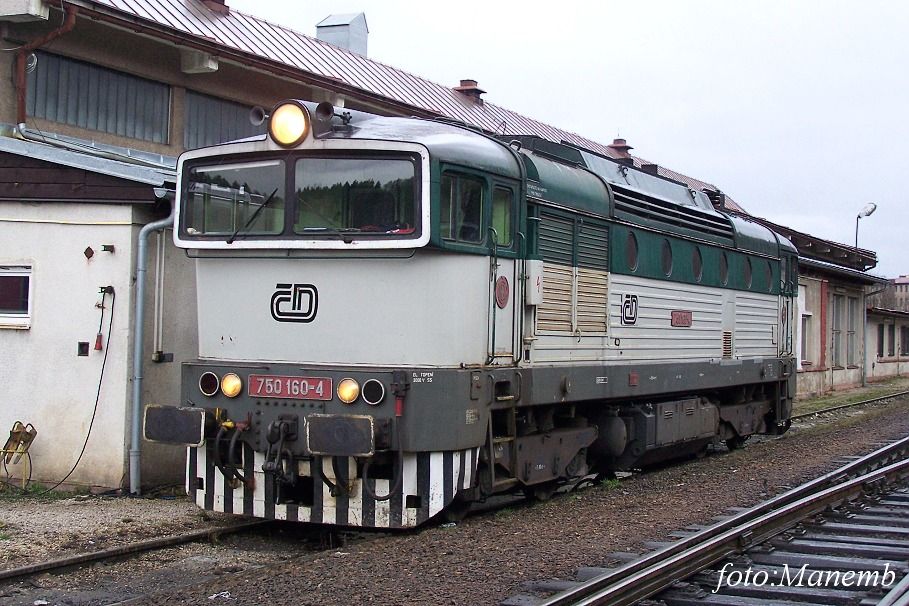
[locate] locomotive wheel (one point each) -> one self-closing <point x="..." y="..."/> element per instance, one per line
<point x="736" y="442"/>
<point x="541" y="492"/>
<point x="457" y="510"/>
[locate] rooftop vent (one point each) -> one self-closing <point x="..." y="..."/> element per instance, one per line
<point x="23" y="10"/>
<point x="470" y="89"/>
<point x="347" y="31"/>
<point x="217" y="6"/>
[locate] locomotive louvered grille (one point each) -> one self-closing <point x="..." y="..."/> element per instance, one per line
<point x="592" y="246"/>
<point x="727" y="344"/>
<point x="593" y="301"/>
<point x="575" y="295"/>
<point x="556" y="238"/>
<point x="554" y="313"/>
<point x="637" y="204"/>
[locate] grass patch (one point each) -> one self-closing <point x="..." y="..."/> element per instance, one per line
<point x="610" y="483"/>
<point x="876" y="390"/>
<point x="12" y="491"/>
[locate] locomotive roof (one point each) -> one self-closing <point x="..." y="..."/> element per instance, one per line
<point x="576" y="178"/>
<point x="446" y="142"/>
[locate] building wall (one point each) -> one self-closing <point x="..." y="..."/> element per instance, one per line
<point x="157" y="61"/>
<point x="880" y="362"/>
<point x="65" y="284"/>
<point x="829" y="335"/>
<point x="44" y="381"/>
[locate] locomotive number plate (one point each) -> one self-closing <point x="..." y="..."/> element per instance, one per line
<point x="293" y="388"/>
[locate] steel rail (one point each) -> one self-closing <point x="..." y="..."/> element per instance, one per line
<point x="805" y="415"/>
<point x="656" y="571"/>
<point x="128" y="549"/>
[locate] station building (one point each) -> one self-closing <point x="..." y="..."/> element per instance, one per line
<point x="106" y="95"/>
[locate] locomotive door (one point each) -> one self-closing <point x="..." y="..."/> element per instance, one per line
<point x="504" y="293"/>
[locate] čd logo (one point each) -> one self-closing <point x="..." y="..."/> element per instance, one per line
<point x="294" y="303"/>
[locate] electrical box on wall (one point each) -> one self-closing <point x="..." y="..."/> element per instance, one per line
<point x="23" y="10"/>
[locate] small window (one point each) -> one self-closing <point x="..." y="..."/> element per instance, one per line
<point x="666" y="258"/>
<point x="769" y="277"/>
<point x="15" y="296"/>
<point x="724" y="269"/>
<point x="631" y="251"/>
<point x="697" y="264"/>
<point x="748" y="272"/>
<point x="462" y="209"/>
<point x="502" y="215"/>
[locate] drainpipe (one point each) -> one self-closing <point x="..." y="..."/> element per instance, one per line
<point x="135" y="442"/>
<point x="69" y="22"/>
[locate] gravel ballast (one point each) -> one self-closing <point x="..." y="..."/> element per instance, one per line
<point x="481" y="560"/>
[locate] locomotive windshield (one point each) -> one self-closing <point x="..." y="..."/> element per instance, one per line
<point x="305" y="197"/>
<point x="361" y="195"/>
<point x="229" y="197"/>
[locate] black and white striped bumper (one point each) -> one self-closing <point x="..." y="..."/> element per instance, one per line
<point x="430" y="482"/>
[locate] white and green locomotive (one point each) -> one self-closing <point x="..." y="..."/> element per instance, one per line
<point x="399" y="317"/>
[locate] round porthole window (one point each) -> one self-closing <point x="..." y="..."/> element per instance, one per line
<point x="748" y="275"/>
<point x="697" y="264"/>
<point x="666" y="258"/>
<point x="631" y="251"/>
<point x="724" y="269"/>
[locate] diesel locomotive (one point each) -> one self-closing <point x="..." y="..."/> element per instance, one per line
<point x="398" y="317"/>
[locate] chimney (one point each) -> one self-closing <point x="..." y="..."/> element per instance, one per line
<point x="651" y="169"/>
<point x="347" y="31"/>
<point x="217" y="6"/>
<point x="470" y="89"/>
<point x="620" y="147"/>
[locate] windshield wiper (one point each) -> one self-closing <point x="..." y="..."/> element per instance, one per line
<point x="252" y="218"/>
<point x="334" y="231"/>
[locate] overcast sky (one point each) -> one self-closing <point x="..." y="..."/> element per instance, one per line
<point x="798" y="110"/>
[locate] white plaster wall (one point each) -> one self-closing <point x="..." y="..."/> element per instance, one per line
<point x="43" y="381"/>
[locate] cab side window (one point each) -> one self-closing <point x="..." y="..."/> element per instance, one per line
<point x="462" y="207"/>
<point x="503" y="215"/>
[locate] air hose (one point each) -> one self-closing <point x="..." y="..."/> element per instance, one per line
<point x="399" y="475"/>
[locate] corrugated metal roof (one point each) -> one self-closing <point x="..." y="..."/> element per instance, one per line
<point x="263" y="39"/>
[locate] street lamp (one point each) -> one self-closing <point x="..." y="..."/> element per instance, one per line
<point x="869" y="208"/>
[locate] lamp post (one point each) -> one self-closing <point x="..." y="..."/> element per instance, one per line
<point x="869" y="208"/>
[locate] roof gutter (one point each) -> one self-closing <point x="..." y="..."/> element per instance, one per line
<point x="69" y="22"/>
<point x="296" y="74"/>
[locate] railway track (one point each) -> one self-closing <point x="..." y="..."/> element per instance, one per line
<point x="759" y="530"/>
<point x="81" y="559"/>
<point x="121" y="575"/>
<point x="850" y="405"/>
